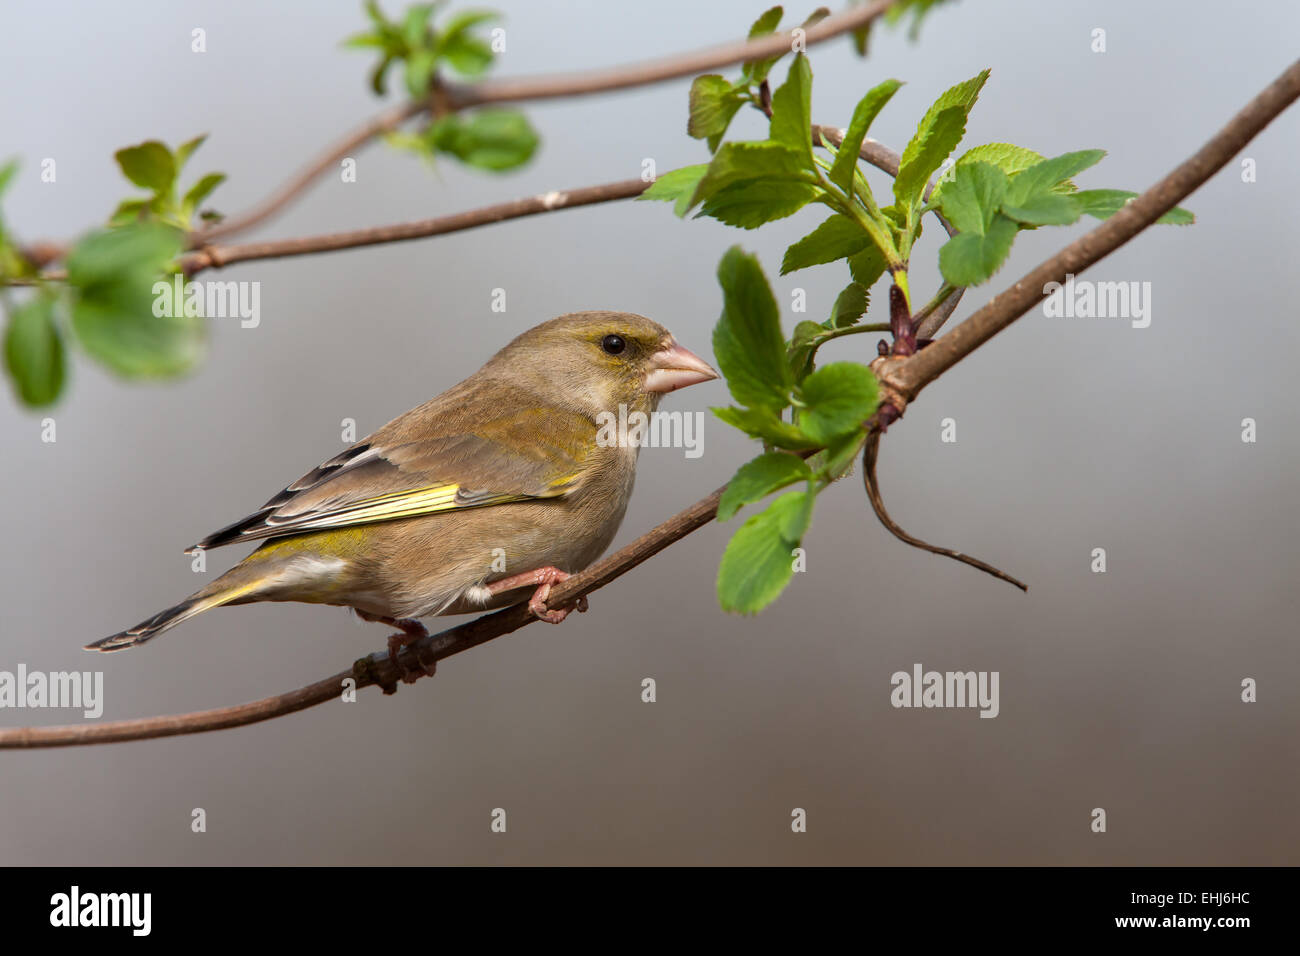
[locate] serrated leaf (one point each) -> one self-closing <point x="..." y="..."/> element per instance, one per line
<point x="758" y="562"/>
<point x="791" y="124"/>
<point x="1041" y="177"/>
<point x="850" y="304"/>
<point x="149" y="165"/>
<point x="755" y="71"/>
<point x="766" y="425"/>
<point x="867" y="266"/>
<point x="713" y="104"/>
<point x="926" y="153"/>
<point x="970" y="258"/>
<point x="961" y="96"/>
<point x="677" y="187"/>
<point x="734" y="162"/>
<point x="971" y="199"/>
<point x="836" y="238"/>
<point x="758" y="478"/>
<point x="864" y="114"/>
<point x="751" y="203"/>
<point x="838" y="397"/>
<point x="1104" y="203"/>
<point x="491" y="139"/>
<point x="1045" y="209"/>
<point x="34" y="353"/>
<point x="747" y="340"/>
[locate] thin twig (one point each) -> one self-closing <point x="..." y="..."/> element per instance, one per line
<point x="208" y="257"/>
<point x="869" y="479"/>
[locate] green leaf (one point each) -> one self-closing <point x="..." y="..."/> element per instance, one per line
<point x="468" y="55"/>
<point x="149" y="165"/>
<point x="1007" y="157"/>
<point x="962" y="96"/>
<point x="767" y="22"/>
<point x="766" y="425"/>
<point x="971" y="199"/>
<point x="926" y="153"/>
<point x="864" y="114"/>
<point x="1104" y="203"/>
<point x="419" y="71"/>
<point x="849" y="306"/>
<point x="836" y="238"/>
<point x="415" y="25"/>
<point x="202" y="189"/>
<point x="791" y="124"/>
<point x="364" y="41"/>
<point x="113" y="274"/>
<point x="970" y="258"/>
<point x="756" y="71"/>
<point x="1041" y="177"/>
<point x="839" y="398"/>
<point x="186" y="149"/>
<point x="378" y="76"/>
<point x="7" y="173"/>
<point x="867" y="266"/>
<point x="1045" y="209"/>
<point x="734" y="162"/>
<point x="34" y="353"/>
<point x="677" y="186"/>
<point x="751" y="203"/>
<point x="713" y="103"/>
<point x="835" y="461"/>
<point x="128" y="211"/>
<point x="105" y="255"/>
<point x="747" y="340"/>
<point x="803" y="345"/>
<point x="758" y="562"/>
<point x="492" y="139"/>
<point x="760" y="477"/>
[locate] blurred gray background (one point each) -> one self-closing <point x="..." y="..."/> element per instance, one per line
<point x="1118" y="690"/>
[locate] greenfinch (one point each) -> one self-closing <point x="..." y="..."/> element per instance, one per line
<point x="498" y="486"/>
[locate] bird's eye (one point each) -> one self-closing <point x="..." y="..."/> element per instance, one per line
<point x="613" y="344"/>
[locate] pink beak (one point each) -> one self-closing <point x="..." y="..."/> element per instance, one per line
<point x="674" y="367"/>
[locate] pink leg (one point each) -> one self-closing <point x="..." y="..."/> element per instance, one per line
<point x="543" y="578"/>
<point x="411" y="631"/>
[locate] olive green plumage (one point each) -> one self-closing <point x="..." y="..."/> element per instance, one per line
<point x="498" y="475"/>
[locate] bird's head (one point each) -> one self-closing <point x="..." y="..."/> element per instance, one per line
<point x="603" y="359"/>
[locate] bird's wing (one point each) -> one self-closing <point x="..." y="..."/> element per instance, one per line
<point x="377" y="481"/>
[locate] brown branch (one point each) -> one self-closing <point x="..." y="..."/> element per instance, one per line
<point x="902" y="379"/>
<point x="208" y="257"/>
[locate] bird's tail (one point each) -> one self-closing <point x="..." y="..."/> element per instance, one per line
<point x="231" y="586"/>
